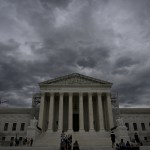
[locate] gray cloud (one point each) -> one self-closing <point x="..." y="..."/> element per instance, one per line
<point x="49" y="4"/>
<point x="125" y="62"/>
<point x="44" y="39"/>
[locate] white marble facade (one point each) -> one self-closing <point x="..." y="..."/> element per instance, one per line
<point x="16" y="116"/>
<point x="141" y="118"/>
<point x="79" y="105"/>
<point x="75" y="103"/>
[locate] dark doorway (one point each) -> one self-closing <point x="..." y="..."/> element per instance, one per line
<point x="75" y="122"/>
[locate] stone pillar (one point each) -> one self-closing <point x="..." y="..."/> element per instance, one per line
<point x="109" y="108"/>
<point x="91" y="121"/>
<point x="100" y="111"/>
<point x="51" y="111"/>
<point x="41" y="113"/>
<point x="60" y="117"/>
<point x="70" y="112"/>
<point x="81" y="119"/>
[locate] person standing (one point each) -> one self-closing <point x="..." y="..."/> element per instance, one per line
<point x="122" y="145"/>
<point x="31" y="142"/>
<point x="63" y="136"/>
<point x="128" y="146"/>
<point x="25" y="141"/>
<point x="28" y="142"/>
<point x="117" y="147"/>
<point x="113" y="137"/>
<point x="136" y="138"/>
<point x="63" y="142"/>
<point x="16" y="141"/>
<point x="70" y="142"/>
<point x="11" y="142"/>
<point x="76" y="145"/>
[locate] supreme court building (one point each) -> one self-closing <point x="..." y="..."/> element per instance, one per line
<point x="75" y="103"/>
<point x="79" y="105"/>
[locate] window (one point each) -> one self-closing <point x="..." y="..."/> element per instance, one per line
<point x="145" y="138"/>
<point x="20" y="138"/>
<point x="135" y="126"/>
<point x="14" y="126"/>
<point x="143" y="126"/>
<point x="3" y="138"/>
<point x="127" y="125"/>
<point x="22" y="126"/>
<point x="12" y="138"/>
<point x="6" y="127"/>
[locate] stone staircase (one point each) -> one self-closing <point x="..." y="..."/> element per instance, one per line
<point x="93" y="139"/>
<point x="51" y="141"/>
<point x="56" y="148"/>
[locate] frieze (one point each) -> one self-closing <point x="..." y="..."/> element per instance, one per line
<point x="60" y="86"/>
<point x="74" y="90"/>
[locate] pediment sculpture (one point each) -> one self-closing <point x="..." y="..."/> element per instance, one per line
<point x="33" y="122"/>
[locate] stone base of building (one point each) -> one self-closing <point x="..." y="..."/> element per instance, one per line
<point x="57" y="148"/>
<point x="84" y="138"/>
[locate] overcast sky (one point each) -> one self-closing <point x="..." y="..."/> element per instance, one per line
<point x="105" y="39"/>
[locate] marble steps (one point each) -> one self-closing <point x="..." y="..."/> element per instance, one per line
<point x="86" y="139"/>
<point x="47" y="139"/>
<point x="56" y="148"/>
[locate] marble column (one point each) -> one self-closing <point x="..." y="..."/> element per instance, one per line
<point x="41" y="113"/>
<point x="91" y="121"/>
<point x="60" y="117"/>
<point x="110" y="115"/>
<point x="70" y="112"/>
<point x="81" y="119"/>
<point x="51" y="111"/>
<point x="100" y="111"/>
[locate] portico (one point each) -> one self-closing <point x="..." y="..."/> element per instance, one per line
<point x="64" y="106"/>
<point x="77" y="104"/>
<point x="75" y="112"/>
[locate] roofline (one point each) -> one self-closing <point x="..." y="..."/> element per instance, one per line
<point x="134" y="110"/>
<point x="81" y="75"/>
<point x="15" y="110"/>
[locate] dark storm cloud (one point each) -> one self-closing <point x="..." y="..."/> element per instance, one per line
<point x="11" y="69"/>
<point x="94" y="57"/>
<point x="135" y="93"/>
<point x="10" y="46"/>
<point x="44" y="39"/>
<point x="135" y="89"/>
<point x="53" y="3"/>
<point x="123" y="64"/>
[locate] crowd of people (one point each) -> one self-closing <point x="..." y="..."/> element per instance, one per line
<point x="127" y="146"/>
<point x="133" y="145"/>
<point x="26" y="142"/>
<point x="66" y="142"/>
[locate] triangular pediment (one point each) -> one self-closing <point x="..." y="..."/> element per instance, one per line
<point x="75" y="79"/>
